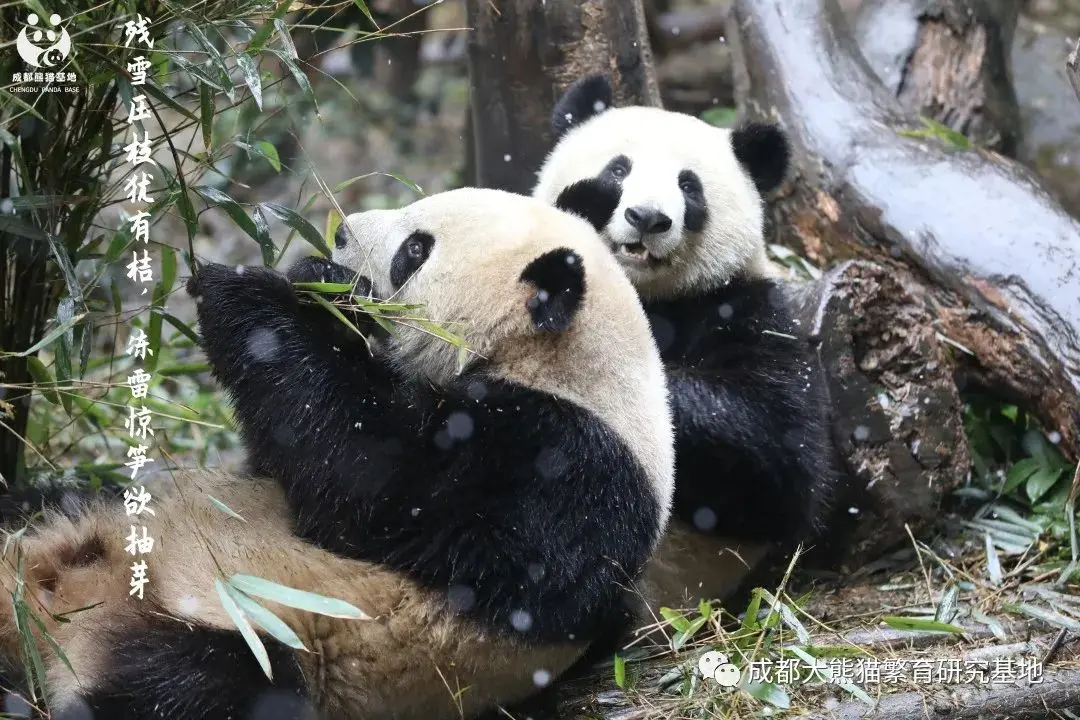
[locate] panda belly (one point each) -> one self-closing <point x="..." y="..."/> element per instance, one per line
<point x="177" y="654"/>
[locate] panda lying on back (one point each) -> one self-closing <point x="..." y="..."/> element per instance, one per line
<point x="487" y="518"/>
<point x="753" y="453"/>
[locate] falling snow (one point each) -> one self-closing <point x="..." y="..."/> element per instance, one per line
<point x="704" y="519"/>
<point x="726" y="311"/>
<point x="7" y="207"/>
<point x="541" y="678"/>
<point x="1054" y="437"/>
<point x="599" y="106"/>
<point x="536" y="571"/>
<point x="459" y="425"/>
<point x="853" y="510"/>
<point x="461" y="598"/>
<point x="861" y="433"/>
<point x="521" y="620"/>
<point x="476" y="390"/>
<point x="506" y="157"/>
<point x="188" y="604"/>
<point x="263" y="344"/>
<point x="551" y="463"/>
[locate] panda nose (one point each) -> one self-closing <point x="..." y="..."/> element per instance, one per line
<point x="341" y="236"/>
<point x="647" y="220"/>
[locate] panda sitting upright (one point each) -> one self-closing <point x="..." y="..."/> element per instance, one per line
<point x="486" y="517"/>
<point x="754" y="460"/>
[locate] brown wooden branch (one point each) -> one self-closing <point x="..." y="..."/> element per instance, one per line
<point x="523" y="54"/>
<point x="999" y="258"/>
<point x="948" y="60"/>
<point x="1020" y="701"/>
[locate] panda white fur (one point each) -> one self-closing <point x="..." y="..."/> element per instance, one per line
<point x="486" y="518"/>
<point x="754" y="461"/>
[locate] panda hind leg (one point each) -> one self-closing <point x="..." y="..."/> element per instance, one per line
<point x="167" y="669"/>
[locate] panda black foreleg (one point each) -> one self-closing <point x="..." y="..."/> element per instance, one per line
<point x="753" y="455"/>
<point x="165" y="669"/>
<point x="306" y="389"/>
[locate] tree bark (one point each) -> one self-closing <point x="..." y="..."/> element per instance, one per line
<point x="523" y="54"/>
<point x="897" y="418"/>
<point x="1072" y="68"/>
<point x="998" y="258"/>
<point x="948" y="60"/>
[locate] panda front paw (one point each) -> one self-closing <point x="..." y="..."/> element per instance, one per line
<point x="316" y="269"/>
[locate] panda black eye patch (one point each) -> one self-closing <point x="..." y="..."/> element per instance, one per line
<point x="694" y="196"/>
<point x="410" y="255"/>
<point x="617" y="169"/>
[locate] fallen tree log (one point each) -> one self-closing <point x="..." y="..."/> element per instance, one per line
<point x="524" y="54"/>
<point x="999" y="259"/>
<point x="897" y="418"/>
<point x="1016" y="701"/>
<point x="947" y="60"/>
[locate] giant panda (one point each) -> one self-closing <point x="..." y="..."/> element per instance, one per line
<point x="754" y="460"/>
<point x="486" y="517"/>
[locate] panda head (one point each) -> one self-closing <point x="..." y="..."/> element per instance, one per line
<point x="502" y="271"/>
<point x="688" y="195"/>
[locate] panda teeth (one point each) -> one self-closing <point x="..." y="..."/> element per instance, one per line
<point x="634" y="250"/>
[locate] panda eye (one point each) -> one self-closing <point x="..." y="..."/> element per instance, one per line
<point x="619" y="171"/>
<point x="416" y="249"/>
<point x="688" y="187"/>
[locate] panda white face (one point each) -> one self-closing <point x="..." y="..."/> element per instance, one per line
<point x="481" y="262"/>
<point x="689" y="210"/>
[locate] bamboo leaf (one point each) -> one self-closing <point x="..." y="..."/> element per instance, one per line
<point x="177" y="323"/>
<point x="920" y="625"/>
<point x="206" y="115"/>
<point x="224" y="508"/>
<point x="266" y="245"/>
<point x="299" y="599"/>
<point x="993" y="563"/>
<point x="769" y="693"/>
<point x="250" y="72"/>
<point x="168" y="268"/>
<point x="298" y="75"/>
<point x="265" y="619"/>
<point x="299" y="224"/>
<point x="231" y="207"/>
<point x="43" y="379"/>
<point x="286" y="38"/>
<point x="244" y="627"/>
<point x="1041" y="482"/>
<point x="50" y="337"/>
<point x="620" y="671"/>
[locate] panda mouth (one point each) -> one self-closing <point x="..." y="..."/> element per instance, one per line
<point x="636" y="253"/>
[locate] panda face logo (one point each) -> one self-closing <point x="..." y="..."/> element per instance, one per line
<point x="716" y="665"/>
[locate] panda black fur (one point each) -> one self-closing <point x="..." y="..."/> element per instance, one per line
<point x="486" y="518"/>
<point x="754" y="460"/>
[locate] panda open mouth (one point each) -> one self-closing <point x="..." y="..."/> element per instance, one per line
<point x="636" y="253"/>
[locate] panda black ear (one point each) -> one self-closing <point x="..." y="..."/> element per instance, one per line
<point x="585" y="98"/>
<point x="591" y="199"/>
<point x="763" y="149"/>
<point x="558" y="277"/>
